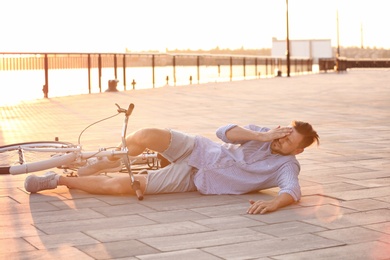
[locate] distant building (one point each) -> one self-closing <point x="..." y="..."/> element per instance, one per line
<point x="303" y="49"/>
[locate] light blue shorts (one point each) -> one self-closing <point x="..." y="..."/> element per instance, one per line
<point x="177" y="176"/>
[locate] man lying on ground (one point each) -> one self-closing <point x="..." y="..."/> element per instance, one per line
<point x="251" y="158"/>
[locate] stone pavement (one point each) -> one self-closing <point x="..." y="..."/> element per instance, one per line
<point x="344" y="212"/>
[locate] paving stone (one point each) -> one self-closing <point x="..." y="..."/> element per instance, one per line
<point x="382" y="227"/>
<point x="372" y="183"/>
<point x="8" y="230"/>
<point x="361" y="193"/>
<point x="270" y="247"/>
<point x="229" y="222"/>
<point x="192" y="203"/>
<point x="324" y="213"/>
<point x="190" y="254"/>
<point x="385" y="199"/>
<point x="205" y="239"/>
<point x="49" y="216"/>
<point x="361" y="251"/>
<point x="352" y="235"/>
<point x="173" y="216"/>
<point x="328" y="188"/>
<point x="351" y="220"/>
<point x="79" y="203"/>
<point x="11" y="245"/>
<point x="139" y="232"/>
<point x="367" y="175"/>
<point x="364" y="204"/>
<point x="116" y="250"/>
<point x="60" y="253"/>
<point x="223" y="210"/>
<point x="60" y="240"/>
<point x="120" y="210"/>
<point x="287" y="229"/>
<point x="71" y="226"/>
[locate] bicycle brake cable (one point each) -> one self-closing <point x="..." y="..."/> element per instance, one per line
<point x="101" y="120"/>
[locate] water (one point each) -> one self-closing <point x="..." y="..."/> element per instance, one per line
<point x="22" y="85"/>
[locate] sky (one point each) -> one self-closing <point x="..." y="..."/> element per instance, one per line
<point x="141" y="25"/>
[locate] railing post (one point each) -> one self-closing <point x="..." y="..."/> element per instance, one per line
<point x="115" y="67"/>
<point x="124" y="71"/>
<point x="174" y="70"/>
<point x="89" y="73"/>
<point x="153" y="79"/>
<point x="231" y="68"/>
<point x="46" y="86"/>
<point x="244" y="64"/>
<point x="198" y="68"/>
<point x="256" y="67"/>
<point x="100" y="72"/>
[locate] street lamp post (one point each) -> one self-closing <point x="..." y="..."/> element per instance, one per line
<point x="287" y="42"/>
<point x="338" y="34"/>
<point x="338" y="43"/>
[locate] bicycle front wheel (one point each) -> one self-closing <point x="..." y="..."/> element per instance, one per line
<point x="35" y="156"/>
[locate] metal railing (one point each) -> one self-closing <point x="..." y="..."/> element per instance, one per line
<point x="232" y="67"/>
<point x="342" y="64"/>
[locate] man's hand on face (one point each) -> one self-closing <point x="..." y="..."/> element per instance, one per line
<point x="278" y="132"/>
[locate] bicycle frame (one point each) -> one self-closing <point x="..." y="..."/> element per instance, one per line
<point x="73" y="156"/>
<point x="125" y="157"/>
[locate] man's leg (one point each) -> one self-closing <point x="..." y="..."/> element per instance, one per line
<point x="103" y="185"/>
<point x="152" y="138"/>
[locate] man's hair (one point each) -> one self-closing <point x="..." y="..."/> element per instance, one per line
<point x="309" y="134"/>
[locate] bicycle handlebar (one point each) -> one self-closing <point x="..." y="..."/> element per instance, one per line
<point x="130" y="109"/>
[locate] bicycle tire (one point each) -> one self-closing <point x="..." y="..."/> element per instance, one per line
<point x="17" y="158"/>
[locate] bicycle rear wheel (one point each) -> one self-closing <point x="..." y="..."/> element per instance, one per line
<point x="35" y="156"/>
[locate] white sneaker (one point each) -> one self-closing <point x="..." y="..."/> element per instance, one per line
<point x="35" y="183"/>
<point x="96" y="166"/>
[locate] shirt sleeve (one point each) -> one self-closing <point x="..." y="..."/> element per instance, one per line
<point x="288" y="181"/>
<point x="221" y="132"/>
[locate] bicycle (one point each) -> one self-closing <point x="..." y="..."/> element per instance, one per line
<point x="36" y="156"/>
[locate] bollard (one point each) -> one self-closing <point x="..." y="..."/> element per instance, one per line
<point x="112" y="84"/>
<point x="190" y="80"/>
<point x="167" y="79"/>
<point x="45" y="91"/>
<point x="133" y="83"/>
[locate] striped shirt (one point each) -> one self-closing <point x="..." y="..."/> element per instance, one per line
<point x="238" y="168"/>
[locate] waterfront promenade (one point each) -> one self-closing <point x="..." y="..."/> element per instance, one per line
<point x="344" y="212"/>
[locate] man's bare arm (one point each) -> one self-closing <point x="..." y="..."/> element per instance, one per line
<point x="262" y="207"/>
<point x="240" y="134"/>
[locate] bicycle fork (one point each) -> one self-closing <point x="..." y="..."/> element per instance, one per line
<point x="135" y="185"/>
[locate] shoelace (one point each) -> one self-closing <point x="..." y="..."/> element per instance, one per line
<point x="45" y="183"/>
